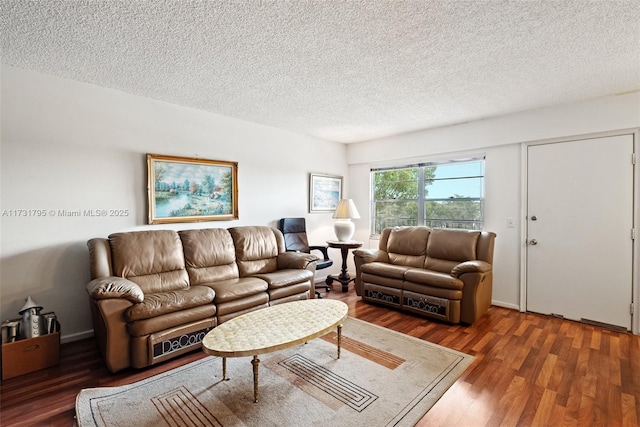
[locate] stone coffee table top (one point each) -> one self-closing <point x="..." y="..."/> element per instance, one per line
<point x="274" y="328"/>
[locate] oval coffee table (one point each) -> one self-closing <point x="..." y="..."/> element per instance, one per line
<point x="274" y="328"/>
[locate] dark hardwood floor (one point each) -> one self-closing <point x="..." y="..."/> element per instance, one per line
<point x="530" y="370"/>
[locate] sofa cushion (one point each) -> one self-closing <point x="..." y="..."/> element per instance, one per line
<point x="144" y="327"/>
<point x="408" y="246"/>
<point x="256" y="249"/>
<point x="282" y="278"/>
<point x="447" y="248"/>
<point x="433" y="278"/>
<point x="295" y="292"/>
<point x="231" y="309"/>
<point x="160" y="303"/>
<point x="448" y="293"/>
<point x="209" y="255"/>
<point x="235" y="289"/>
<point x="152" y="259"/>
<point x="454" y="245"/>
<point x="382" y="281"/>
<point x="384" y="270"/>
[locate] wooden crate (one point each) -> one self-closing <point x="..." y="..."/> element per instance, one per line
<point x="30" y="355"/>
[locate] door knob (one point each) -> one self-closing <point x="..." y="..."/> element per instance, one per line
<point x="533" y="242"/>
<point x="534" y="218"/>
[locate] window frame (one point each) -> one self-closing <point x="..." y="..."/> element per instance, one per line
<point x="421" y="200"/>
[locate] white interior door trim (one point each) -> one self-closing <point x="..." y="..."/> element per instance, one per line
<point x="635" y="132"/>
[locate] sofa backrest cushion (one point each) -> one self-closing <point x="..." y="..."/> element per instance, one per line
<point x="408" y="246"/>
<point x="447" y="248"/>
<point x="209" y="255"/>
<point x="152" y="259"/>
<point x="257" y="249"/>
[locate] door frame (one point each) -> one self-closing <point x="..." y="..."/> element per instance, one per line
<point x="635" y="287"/>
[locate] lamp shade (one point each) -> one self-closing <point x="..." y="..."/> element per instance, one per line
<point x="344" y="228"/>
<point x="346" y="209"/>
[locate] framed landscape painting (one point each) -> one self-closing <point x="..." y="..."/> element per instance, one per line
<point x="325" y="191"/>
<point x="184" y="189"/>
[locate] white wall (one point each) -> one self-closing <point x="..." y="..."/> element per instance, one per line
<point x="501" y="140"/>
<point x="70" y="145"/>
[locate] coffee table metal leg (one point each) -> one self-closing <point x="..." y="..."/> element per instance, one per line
<point x="255" y="362"/>
<point x="339" y="339"/>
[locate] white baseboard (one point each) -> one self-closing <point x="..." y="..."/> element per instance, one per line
<point x="76" y="337"/>
<point x="506" y="305"/>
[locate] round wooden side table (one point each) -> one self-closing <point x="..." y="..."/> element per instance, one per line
<point x="344" y="277"/>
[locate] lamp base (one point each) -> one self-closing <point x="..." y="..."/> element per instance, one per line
<point x="344" y="230"/>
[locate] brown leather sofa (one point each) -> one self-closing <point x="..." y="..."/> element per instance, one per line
<point x="440" y="273"/>
<point x="155" y="294"/>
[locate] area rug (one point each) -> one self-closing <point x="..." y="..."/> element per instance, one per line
<point x="383" y="378"/>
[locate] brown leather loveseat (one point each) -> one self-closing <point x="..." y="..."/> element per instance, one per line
<point x="155" y="294"/>
<point x="440" y="273"/>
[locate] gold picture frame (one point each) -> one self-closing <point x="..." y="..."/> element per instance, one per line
<point x="187" y="189"/>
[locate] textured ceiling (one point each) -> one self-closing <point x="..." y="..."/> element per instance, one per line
<point x="341" y="70"/>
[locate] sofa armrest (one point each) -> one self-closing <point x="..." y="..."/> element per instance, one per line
<point x="115" y="287"/>
<point x="295" y="260"/>
<point x="470" y="267"/>
<point x="477" y="279"/>
<point x="364" y="256"/>
<point x="371" y="255"/>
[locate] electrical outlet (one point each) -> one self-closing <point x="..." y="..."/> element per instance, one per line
<point x="511" y="223"/>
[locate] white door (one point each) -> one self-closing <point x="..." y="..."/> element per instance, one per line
<point x="579" y="229"/>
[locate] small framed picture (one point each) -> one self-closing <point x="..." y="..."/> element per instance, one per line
<point x="184" y="189"/>
<point x="325" y="191"/>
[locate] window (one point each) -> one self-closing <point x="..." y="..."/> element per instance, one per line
<point x="444" y="195"/>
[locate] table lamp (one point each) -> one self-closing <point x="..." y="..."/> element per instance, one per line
<point x="343" y="227"/>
